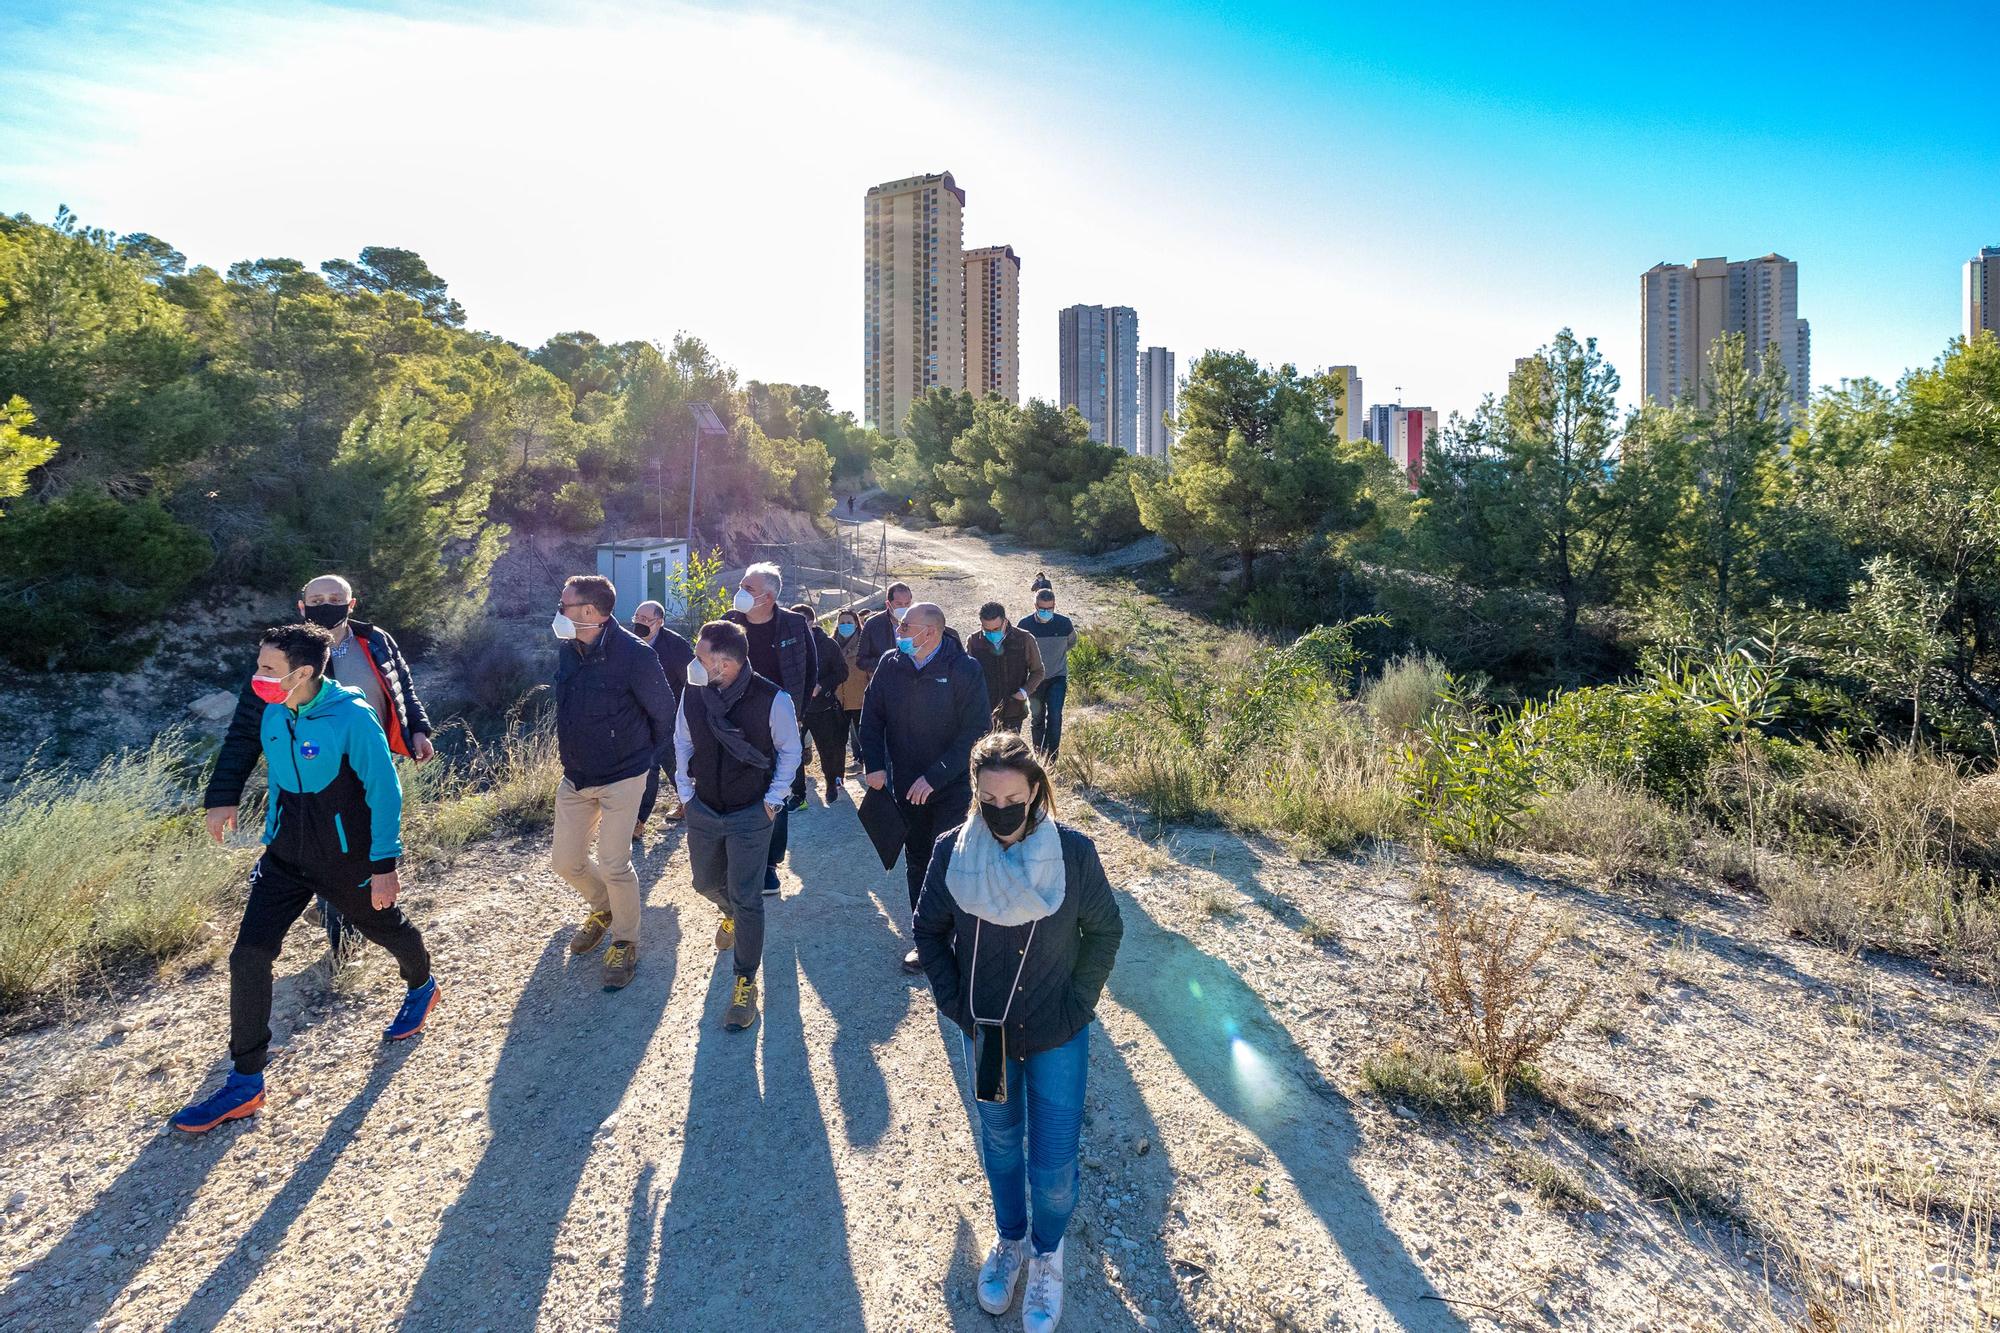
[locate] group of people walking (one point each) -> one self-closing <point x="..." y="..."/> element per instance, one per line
<point x="935" y="722"/>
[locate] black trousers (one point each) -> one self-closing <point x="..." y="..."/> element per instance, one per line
<point x="279" y="892"/>
<point x="924" y="824"/>
<point x="828" y="728"/>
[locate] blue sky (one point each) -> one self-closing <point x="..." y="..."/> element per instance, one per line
<point x="1426" y="194"/>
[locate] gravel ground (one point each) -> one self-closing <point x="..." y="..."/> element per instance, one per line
<point x="550" y="1156"/>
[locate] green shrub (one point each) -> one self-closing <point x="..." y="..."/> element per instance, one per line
<point x="1426" y="1080"/>
<point x="1469" y="778"/>
<point x="82" y="570"/>
<point x="1631" y="736"/>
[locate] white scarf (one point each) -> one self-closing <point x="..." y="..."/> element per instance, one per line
<point x="1009" y="886"/>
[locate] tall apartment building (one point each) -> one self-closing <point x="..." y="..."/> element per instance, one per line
<point x="993" y="322"/>
<point x="913" y="333"/>
<point x="1099" y="350"/>
<point x="1982" y="293"/>
<point x="1348" y="411"/>
<point x="1686" y="307"/>
<point x="1402" y="432"/>
<point x="1156" y="401"/>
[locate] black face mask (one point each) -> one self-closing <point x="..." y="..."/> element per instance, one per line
<point x="1004" y="821"/>
<point x="643" y="631"/>
<point x="327" y="615"/>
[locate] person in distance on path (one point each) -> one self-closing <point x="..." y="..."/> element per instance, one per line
<point x="332" y="827"/>
<point x="1055" y="633"/>
<point x="1024" y="1001"/>
<point x="1012" y="661"/>
<point x="614" y="715"/>
<point x="649" y="622"/>
<point x="823" y="718"/>
<point x="365" y="658"/>
<point x="924" y="710"/>
<point x="736" y="745"/>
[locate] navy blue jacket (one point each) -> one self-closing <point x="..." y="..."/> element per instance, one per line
<point x="923" y="724"/>
<point x="614" y="708"/>
<point x="1062" y="971"/>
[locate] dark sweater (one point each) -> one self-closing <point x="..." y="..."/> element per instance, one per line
<point x="1062" y="975"/>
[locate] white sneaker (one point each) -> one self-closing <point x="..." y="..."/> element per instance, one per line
<point x="1041" y="1308"/>
<point x="1000" y="1274"/>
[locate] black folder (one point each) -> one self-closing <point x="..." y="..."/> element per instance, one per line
<point x="885" y="826"/>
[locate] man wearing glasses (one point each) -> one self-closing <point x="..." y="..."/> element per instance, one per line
<point x="614" y="712"/>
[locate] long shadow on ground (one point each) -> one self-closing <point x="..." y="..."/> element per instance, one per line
<point x="140" y="1209"/>
<point x="570" y="1054"/>
<point x="1246" y="1064"/>
<point x="234" y="1272"/>
<point x="753" y="1223"/>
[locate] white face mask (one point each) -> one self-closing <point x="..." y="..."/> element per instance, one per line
<point x="743" y="601"/>
<point x="899" y="612"/>
<point x="697" y="673"/>
<point x="562" y="627"/>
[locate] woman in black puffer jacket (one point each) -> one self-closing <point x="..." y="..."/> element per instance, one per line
<point x="1024" y="997"/>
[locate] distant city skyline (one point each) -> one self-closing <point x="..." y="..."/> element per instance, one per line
<point x="1522" y="138"/>
<point x="1158" y="391"/>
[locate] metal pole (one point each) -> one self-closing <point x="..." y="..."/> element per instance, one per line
<point x="694" y="473"/>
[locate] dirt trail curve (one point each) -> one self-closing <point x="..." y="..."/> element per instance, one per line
<point x="551" y="1156"/>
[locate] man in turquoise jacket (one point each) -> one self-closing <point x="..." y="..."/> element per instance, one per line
<point x="333" y="828"/>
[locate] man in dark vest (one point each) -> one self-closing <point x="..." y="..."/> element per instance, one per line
<point x="781" y="651"/>
<point x="1012" y="661"/>
<point x="736" y="746"/>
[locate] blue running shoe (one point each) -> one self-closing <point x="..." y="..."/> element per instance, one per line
<point x="241" y="1095"/>
<point x="417" y="1006"/>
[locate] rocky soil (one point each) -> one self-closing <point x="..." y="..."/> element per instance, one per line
<point x="550" y="1156"/>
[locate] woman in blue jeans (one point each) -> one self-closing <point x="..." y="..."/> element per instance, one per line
<point x="1017" y="929"/>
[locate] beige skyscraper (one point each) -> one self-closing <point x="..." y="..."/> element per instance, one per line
<point x="993" y="322"/>
<point x="1350" y="411"/>
<point x="1686" y="307"/>
<point x="913" y="332"/>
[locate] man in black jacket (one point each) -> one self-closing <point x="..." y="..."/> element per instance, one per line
<point x="879" y="631"/>
<point x="649" y="622"/>
<point x="782" y="652"/>
<point x="614" y="713"/>
<point x="924" y="711"/>
<point x="365" y="658"/>
<point x="822" y="720"/>
<point x="736" y="742"/>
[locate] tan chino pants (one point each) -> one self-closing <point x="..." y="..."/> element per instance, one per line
<point x="606" y="881"/>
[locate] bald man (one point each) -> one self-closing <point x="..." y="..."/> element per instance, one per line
<point x="924" y="710"/>
<point x="364" y="658"/>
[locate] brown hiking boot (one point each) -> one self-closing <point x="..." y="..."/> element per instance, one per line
<point x="742" y="1006"/>
<point x="725" y="935"/>
<point x="621" y="960"/>
<point x="590" y="932"/>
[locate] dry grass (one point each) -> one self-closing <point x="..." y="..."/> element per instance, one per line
<point x="1624" y="833"/>
<point x="1398" y="701"/>
<point x="507" y="785"/>
<point x="1428" y="1080"/>
<point x="1558" y="1186"/>
<point x="112" y="864"/>
<point x="1483" y="966"/>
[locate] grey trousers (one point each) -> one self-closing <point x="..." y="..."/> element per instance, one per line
<point x="728" y="854"/>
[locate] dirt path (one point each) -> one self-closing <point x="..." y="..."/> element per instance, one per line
<point x="551" y="1156"/>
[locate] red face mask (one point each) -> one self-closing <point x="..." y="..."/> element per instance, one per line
<point x="271" y="689"/>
